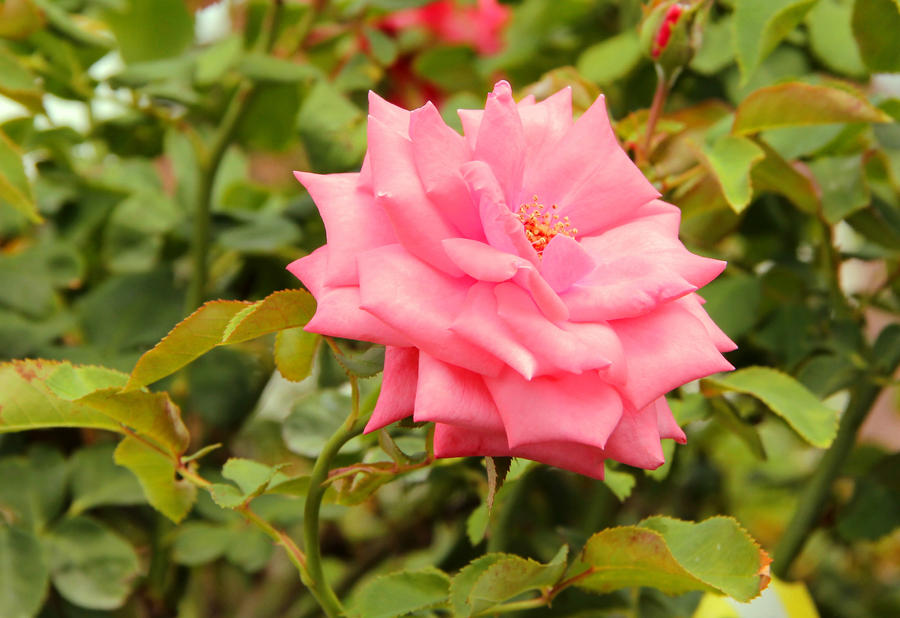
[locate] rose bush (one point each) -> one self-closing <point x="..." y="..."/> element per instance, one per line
<point x="529" y="287"/>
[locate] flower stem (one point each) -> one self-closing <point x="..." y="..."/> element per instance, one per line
<point x="209" y="167"/>
<point x="280" y="537"/>
<point x="659" y="99"/>
<point x="809" y="509"/>
<point x="317" y="486"/>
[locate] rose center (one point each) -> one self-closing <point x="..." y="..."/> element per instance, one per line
<point x="542" y="224"/>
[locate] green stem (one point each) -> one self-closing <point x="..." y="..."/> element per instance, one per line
<point x="209" y="167"/>
<point x="659" y="99"/>
<point x="317" y="486"/>
<point x="812" y="502"/>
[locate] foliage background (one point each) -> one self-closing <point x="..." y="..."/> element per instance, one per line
<point x="119" y="125"/>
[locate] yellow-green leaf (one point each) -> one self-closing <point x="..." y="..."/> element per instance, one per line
<point x="786" y="397"/>
<point x="674" y="556"/>
<point x="796" y="104"/>
<point x="156" y="474"/>
<point x="760" y="25"/>
<point x="730" y="159"/>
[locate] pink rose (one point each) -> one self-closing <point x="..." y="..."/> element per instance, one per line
<point x="479" y="25"/>
<point x="530" y="288"/>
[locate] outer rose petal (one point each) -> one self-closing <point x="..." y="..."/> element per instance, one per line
<point x="398" y="189"/>
<point x="398" y="387"/>
<point x="452" y="441"/>
<point x="692" y="303"/>
<point x="353" y="223"/>
<point x="393" y="116"/>
<point x="337" y="309"/>
<point x="664" y="349"/>
<point x="666" y="424"/>
<point x="422" y="303"/>
<point x="501" y="140"/>
<point x="635" y="440"/>
<point x="439" y="153"/>
<point x="565" y="408"/>
<point x="448" y="394"/>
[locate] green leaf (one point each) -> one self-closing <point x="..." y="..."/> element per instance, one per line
<point x="156" y="474"/>
<point x="717" y="48"/>
<point x="760" y="25"/>
<point x="619" y="482"/>
<point x="843" y="186"/>
<point x="831" y="37"/>
<point x="730" y="159"/>
<point x="97" y="481"/>
<point x="401" y="593"/>
<point x="151" y="29"/>
<point x="266" y="68"/>
<point x="33" y="487"/>
<point x="815" y="422"/>
<point x="776" y="175"/>
<point x="90" y="565"/>
<point x="227" y="496"/>
<point x="295" y="352"/>
<point x="16" y="81"/>
<point x="362" y="364"/>
<point x="675" y="557"/>
<point x="495" y="578"/>
<point x="197" y="543"/>
<point x="732" y="302"/>
<point x="726" y="416"/>
<point x="249" y="549"/>
<point x="875" y="26"/>
<point x="313" y="420"/>
<point x="251" y="476"/>
<point x="218" y="323"/>
<point x="27" y="402"/>
<point x="278" y="311"/>
<point x="15" y="190"/>
<point x="797" y="104"/>
<point x="23" y="573"/>
<point x="214" y="61"/>
<point x="610" y="59"/>
<point x="497" y="468"/>
<point x="332" y="128"/>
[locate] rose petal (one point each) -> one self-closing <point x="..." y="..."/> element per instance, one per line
<point x="353" y="223"/>
<point x="556" y="347"/>
<point x="311" y="269"/>
<point x="338" y="314"/>
<point x="665" y="349"/>
<point x="565" y="262"/>
<point x="501" y="140"/>
<point x="391" y="115"/>
<point x="588" y="175"/>
<point x="502" y="229"/>
<point x="625" y="288"/>
<point x="666" y="423"/>
<point x="564" y="408"/>
<point x="449" y="394"/>
<point x="483" y="262"/>
<point x="546" y="122"/>
<point x="398" y="387"/>
<point x="635" y="441"/>
<point x="439" y="153"/>
<point x="692" y="303"/>
<point x="479" y="324"/>
<point x="420" y="302"/>
<point x="452" y="441"/>
<point x="398" y="190"/>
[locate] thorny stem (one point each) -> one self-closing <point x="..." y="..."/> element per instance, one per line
<point x="209" y="167"/>
<point x="317" y="485"/>
<point x="659" y="99"/>
<point x="280" y="537"/>
<point x="812" y="502"/>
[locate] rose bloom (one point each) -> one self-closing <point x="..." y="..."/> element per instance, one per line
<point x="478" y="25"/>
<point x="529" y="287"/>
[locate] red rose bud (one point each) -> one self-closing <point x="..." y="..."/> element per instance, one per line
<point x="668" y="36"/>
<point x="665" y="30"/>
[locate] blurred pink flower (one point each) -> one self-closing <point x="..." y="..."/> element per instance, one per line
<point x="478" y="25"/>
<point x="530" y="288"/>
